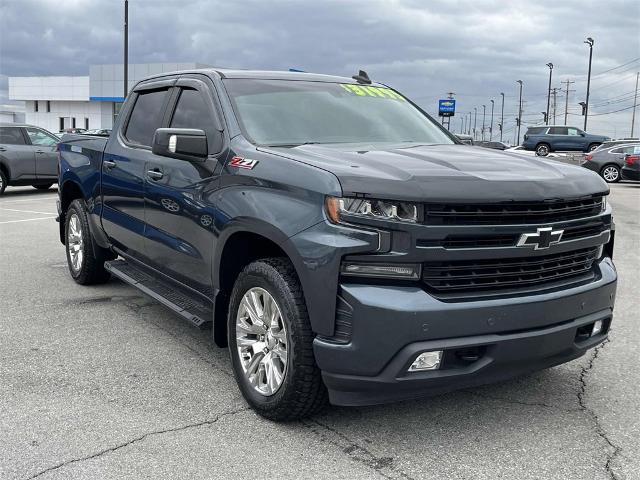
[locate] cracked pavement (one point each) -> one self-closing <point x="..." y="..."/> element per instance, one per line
<point x="102" y="382"/>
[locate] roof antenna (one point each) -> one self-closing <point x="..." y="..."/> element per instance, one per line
<point x="362" y="77"/>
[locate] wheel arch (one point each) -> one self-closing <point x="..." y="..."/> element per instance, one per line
<point x="69" y="191"/>
<point x="238" y="246"/>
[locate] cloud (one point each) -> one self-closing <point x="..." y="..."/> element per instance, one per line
<point x="425" y="49"/>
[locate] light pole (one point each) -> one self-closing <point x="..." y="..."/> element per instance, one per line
<point x="469" y="124"/>
<point x="484" y="111"/>
<point x="491" y="124"/>
<point x="589" y="41"/>
<point x="502" y="116"/>
<point x="519" y="118"/>
<point x="126" y="47"/>
<point x="546" y="117"/>
<point x="475" y="121"/>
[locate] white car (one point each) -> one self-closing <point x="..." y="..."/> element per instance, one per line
<point x="521" y="150"/>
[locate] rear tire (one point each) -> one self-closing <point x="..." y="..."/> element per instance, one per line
<point x="297" y="390"/>
<point x="610" y="173"/>
<point x="3" y="182"/>
<point x="542" y="149"/>
<point x="46" y="186"/>
<point x="84" y="258"/>
<point x="593" y="146"/>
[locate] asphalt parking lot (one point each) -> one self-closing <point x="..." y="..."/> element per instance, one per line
<point x="101" y="382"/>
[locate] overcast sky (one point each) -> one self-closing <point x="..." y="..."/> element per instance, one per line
<point x="424" y="48"/>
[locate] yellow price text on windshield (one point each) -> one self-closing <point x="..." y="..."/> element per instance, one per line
<point x="369" y="91"/>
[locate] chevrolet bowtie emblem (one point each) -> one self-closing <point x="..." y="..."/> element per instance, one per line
<point x="543" y="238"/>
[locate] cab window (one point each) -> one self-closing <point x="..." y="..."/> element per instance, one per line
<point x="40" y="138"/>
<point x="146" y="116"/>
<point x="193" y="111"/>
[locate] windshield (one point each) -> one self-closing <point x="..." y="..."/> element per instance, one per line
<point x="289" y="113"/>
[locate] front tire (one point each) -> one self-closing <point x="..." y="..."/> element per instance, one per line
<point x="270" y="342"/>
<point x="542" y="150"/>
<point x="593" y="146"/>
<point x="3" y="182"/>
<point x="84" y="258"/>
<point x="610" y="173"/>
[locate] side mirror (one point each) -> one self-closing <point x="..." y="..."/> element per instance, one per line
<point x="181" y="143"/>
<point x="582" y="134"/>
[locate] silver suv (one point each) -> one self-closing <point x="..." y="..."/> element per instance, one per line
<point x="28" y="156"/>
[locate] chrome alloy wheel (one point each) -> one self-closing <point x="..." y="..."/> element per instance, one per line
<point x="75" y="244"/>
<point x="610" y="174"/>
<point x="261" y="339"/>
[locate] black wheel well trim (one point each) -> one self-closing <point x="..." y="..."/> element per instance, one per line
<point x="65" y="200"/>
<point x="243" y="235"/>
<point x="6" y="170"/>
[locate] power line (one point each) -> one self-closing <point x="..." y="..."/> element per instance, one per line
<point x="604" y="113"/>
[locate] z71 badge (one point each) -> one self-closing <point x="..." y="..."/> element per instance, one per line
<point x="243" y="163"/>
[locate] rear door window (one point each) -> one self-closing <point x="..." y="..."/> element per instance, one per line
<point x="40" y="138"/>
<point x="558" y="131"/>
<point x="146" y="116"/>
<point x="11" y="136"/>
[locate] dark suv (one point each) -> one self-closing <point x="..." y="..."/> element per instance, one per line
<point x="560" y="138"/>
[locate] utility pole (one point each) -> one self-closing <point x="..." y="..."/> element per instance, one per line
<point x="484" y="111"/>
<point x="475" y="121"/>
<point x="461" y="124"/>
<point x="550" y="65"/>
<point x="589" y="41"/>
<point x="635" y="102"/>
<point x="126" y="48"/>
<point x="519" y="110"/>
<point x="491" y="124"/>
<point x="566" y="99"/>
<point x="502" y="116"/>
<point x="554" y="93"/>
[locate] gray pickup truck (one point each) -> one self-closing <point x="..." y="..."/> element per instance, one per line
<point x="342" y="243"/>
<point x="28" y="156"/>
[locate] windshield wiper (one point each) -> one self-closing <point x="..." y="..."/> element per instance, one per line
<point x="291" y="145"/>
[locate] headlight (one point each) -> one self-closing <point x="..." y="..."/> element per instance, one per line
<point x="374" y="209"/>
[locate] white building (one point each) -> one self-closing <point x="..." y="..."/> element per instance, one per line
<point x="57" y="103"/>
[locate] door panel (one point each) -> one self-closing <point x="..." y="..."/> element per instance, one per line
<point x="44" y="149"/>
<point x="180" y="235"/>
<point x="16" y="154"/>
<point x="123" y="169"/>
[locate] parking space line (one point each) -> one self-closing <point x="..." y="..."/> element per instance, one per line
<point x="26" y="220"/>
<point x="25" y="211"/>
<point x="35" y="199"/>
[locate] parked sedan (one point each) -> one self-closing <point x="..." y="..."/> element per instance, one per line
<point x="608" y="162"/>
<point x="631" y="168"/>
<point x="27" y="156"/>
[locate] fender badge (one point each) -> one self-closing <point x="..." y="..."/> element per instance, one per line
<point x="240" y="162"/>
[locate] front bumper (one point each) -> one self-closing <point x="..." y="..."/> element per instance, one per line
<point x="507" y="337"/>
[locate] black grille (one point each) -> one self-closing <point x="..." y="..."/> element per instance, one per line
<point x="509" y="273"/>
<point x="577" y="232"/>
<point x="511" y="213"/>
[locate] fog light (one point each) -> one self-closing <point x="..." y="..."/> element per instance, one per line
<point x="597" y="328"/>
<point x="426" y="361"/>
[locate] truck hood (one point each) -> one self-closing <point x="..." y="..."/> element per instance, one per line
<point x="445" y="173"/>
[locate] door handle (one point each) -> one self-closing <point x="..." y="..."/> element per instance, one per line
<point x="109" y="164"/>
<point x="39" y="151"/>
<point x="155" y="174"/>
<point x="3" y="149"/>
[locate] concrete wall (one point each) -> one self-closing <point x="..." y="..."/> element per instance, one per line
<point x="98" y="113"/>
<point x="49" y="88"/>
